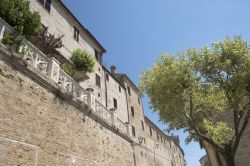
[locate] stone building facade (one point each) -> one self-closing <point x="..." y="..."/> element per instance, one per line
<point x="47" y="118"/>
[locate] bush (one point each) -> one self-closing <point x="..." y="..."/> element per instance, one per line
<point x="48" y="43"/>
<point x="17" y="13"/>
<point x="12" y="39"/>
<point x="82" y="61"/>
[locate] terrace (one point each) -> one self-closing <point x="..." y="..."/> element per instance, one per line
<point x="49" y="67"/>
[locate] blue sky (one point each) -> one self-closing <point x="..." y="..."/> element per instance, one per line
<point x="136" y="32"/>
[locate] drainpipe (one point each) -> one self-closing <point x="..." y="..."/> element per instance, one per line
<point x="133" y="147"/>
<point x="106" y="89"/>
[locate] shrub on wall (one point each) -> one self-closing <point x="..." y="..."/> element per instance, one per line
<point x="11" y="39"/>
<point x="82" y="61"/>
<point x="48" y="43"/>
<point x="17" y="13"/>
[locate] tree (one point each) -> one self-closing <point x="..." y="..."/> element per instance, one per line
<point x="17" y="13"/>
<point x="195" y="89"/>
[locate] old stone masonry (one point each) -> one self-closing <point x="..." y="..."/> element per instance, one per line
<point x="49" y="119"/>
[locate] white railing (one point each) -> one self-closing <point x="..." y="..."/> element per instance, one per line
<point x="34" y="57"/>
<point x="50" y="67"/>
<point x="121" y="126"/>
<point x="103" y="112"/>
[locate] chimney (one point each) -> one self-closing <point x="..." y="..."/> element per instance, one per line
<point x="113" y="69"/>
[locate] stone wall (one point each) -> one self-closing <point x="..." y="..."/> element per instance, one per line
<point x="37" y="127"/>
<point x="40" y="125"/>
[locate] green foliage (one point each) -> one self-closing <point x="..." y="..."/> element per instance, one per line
<point x="11" y="39"/>
<point x="17" y="13"/>
<point x="67" y="68"/>
<point x="82" y="61"/>
<point x="220" y="132"/>
<point x="203" y="84"/>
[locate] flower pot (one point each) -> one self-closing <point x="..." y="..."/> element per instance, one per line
<point x="80" y="77"/>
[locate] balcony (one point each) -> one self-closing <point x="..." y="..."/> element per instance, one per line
<point x="50" y="68"/>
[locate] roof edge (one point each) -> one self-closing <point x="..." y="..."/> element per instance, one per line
<point x="85" y="29"/>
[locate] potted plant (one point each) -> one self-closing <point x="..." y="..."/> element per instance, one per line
<point x="82" y="63"/>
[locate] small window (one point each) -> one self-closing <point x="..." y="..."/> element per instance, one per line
<point x="150" y="130"/>
<point x="115" y="103"/>
<point x="46" y="4"/>
<point x="132" y="111"/>
<point x="161" y="139"/>
<point x="129" y="91"/>
<point x="142" y="125"/>
<point x="141" y="153"/>
<point x="139" y="102"/>
<point x="107" y="77"/>
<point x="144" y="140"/>
<point x="157" y="136"/>
<point x="119" y="88"/>
<point x="133" y="131"/>
<point x="97" y="80"/>
<point x="76" y="34"/>
<point x="96" y="55"/>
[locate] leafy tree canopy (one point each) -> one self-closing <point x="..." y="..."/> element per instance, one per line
<point x="195" y="89"/>
<point x="17" y="13"/>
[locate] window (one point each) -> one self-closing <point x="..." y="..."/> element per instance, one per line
<point x="161" y="139"/>
<point x="76" y="34"/>
<point x="157" y="136"/>
<point x="132" y="111"/>
<point x="119" y="88"/>
<point x="129" y="91"/>
<point x="115" y="103"/>
<point x="96" y="55"/>
<point x="107" y="77"/>
<point x="139" y="102"/>
<point x="97" y="80"/>
<point x="133" y="131"/>
<point x="46" y="4"/>
<point x="150" y="130"/>
<point x="142" y="125"/>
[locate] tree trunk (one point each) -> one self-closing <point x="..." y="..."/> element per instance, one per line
<point x="229" y="159"/>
